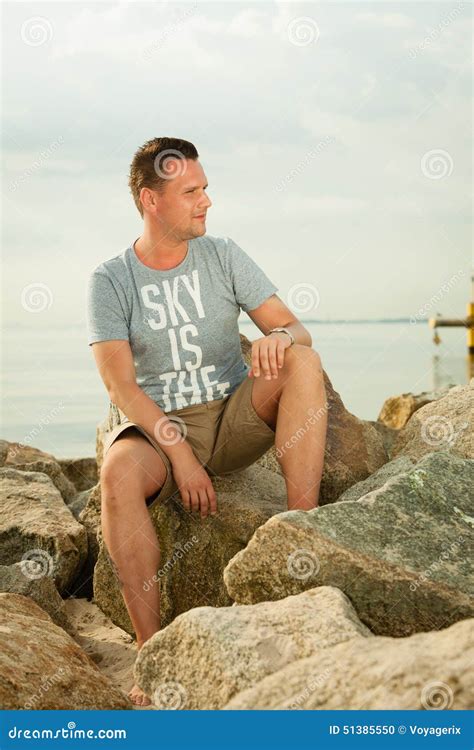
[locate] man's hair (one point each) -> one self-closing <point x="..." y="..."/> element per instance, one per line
<point x="146" y="169"/>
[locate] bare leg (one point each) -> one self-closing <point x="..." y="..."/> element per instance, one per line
<point x="132" y="471"/>
<point x="295" y="405"/>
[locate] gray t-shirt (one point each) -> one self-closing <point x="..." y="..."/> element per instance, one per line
<point x="181" y="323"/>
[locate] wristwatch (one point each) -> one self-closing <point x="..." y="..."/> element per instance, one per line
<point x="285" y="330"/>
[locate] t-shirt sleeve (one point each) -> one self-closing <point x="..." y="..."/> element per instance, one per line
<point x="106" y="316"/>
<point x="251" y="285"/>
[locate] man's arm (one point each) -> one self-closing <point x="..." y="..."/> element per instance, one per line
<point x="273" y="313"/>
<point x="115" y="364"/>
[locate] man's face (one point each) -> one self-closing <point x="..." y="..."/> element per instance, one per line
<point x="182" y="207"/>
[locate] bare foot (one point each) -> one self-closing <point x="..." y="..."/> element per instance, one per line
<point x="138" y="697"/>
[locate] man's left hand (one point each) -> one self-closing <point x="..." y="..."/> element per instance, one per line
<point x="268" y="354"/>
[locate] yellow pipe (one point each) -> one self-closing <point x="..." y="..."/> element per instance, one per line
<point x="470" y="330"/>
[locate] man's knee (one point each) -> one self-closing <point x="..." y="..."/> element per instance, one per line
<point x="301" y="357"/>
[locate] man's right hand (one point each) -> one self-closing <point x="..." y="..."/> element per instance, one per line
<point x="195" y="486"/>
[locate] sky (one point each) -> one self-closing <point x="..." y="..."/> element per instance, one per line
<point x="335" y="136"/>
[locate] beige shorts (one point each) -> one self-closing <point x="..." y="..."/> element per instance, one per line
<point x="226" y="435"/>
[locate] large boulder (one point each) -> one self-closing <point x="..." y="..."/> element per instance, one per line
<point x="354" y="448"/>
<point x="41" y="666"/>
<point x="378" y="478"/>
<point x="208" y="655"/>
<point x="445" y="424"/>
<point x="397" y="410"/>
<point x="27" y="458"/>
<point x="194" y="551"/>
<point x="38" y="529"/>
<point x="400" y="552"/>
<point x="422" y="672"/>
<point x="42" y="590"/>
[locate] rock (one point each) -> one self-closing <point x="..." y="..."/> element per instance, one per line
<point x="208" y="655"/>
<point x="397" y="410"/>
<point x="79" y="503"/>
<point x="194" y="552"/>
<point x="38" y="528"/>
<point x="53" y="470"/>
<point x="400" y="553"/>
<point x="13" y="453"/>
<point x="378" y="479"/>
<point x="89" y="517"/>
<point x="388" y="435"/>
<point x="26" y="458"/>
<point x="82" y="472"/>
<point x="422" y="672"/>
<point x="41" y="667"/>
<point x="445" y="424"/>
<point x="354" y="448"/>
<point x="41" y="590"/>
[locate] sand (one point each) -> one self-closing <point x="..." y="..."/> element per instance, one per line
<point x="111" y="648"/>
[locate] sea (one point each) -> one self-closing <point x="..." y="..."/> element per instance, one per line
<point x="53" y="397"/>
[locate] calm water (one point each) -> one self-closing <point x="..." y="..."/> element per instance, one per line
<point x="53" y="397"/>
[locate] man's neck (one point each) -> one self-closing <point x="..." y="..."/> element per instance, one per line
<point x="160" y="255"/>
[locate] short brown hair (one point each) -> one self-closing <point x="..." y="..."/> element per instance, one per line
<point x="143" y="172"/>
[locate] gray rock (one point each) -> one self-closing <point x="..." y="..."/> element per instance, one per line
<point x="38" y="528"/>
<point x="401" y="553"/>
<point x="445" y="424"/>
<point x="53" y="470"/>
<point x="378" y="479"/>
<point x="80" y="501"/>
<point x="82" y="472"/>
<point x="422" y="672"/>
<point x="208" y="655"/>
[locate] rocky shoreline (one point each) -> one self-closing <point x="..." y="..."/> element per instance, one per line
<point x="364" y="603"/>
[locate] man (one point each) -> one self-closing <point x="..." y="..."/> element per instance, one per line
<point x="162" y="319"/>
